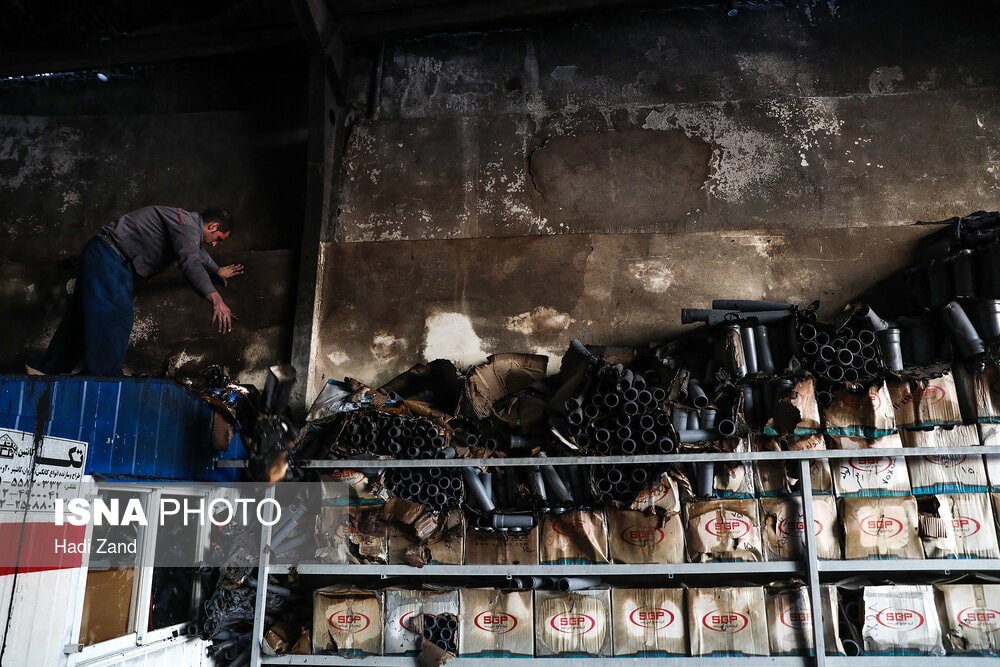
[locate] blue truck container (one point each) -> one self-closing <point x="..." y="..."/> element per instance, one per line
<point x="136" y="428"/>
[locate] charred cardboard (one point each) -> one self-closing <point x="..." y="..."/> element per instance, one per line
<point x="867" y="414"/>
<point x="404" y="613"/>
<point x="648" y="622"/>
<point x="780" y="478"/>
<point x="963" y="435"/>
<point x="287" y="639"/>
<point x="789" y="619"/>
<point x="783" y="526"/>
<point x="444" y="546"/>
<point x="501" y="376"/>
<point x="889" y="441"/>
<point x="733" y="479"/>
<point x="970" y="616"/>
<point x="727" y="621"/>
<point x="871" y="476"/>
<point x="901" y="620"/>
<point x="352" y="535"/>
<point x="664" y="494"/>
<point x="347" y="621"/>
<point x="959" y="525"/>
<point x="880" y="528"/>
<point x="496" y="624"/>
<point x="577" y="623"/>
<point x="573" y="537"/>
<point x="796" y="413"/>
<point x="986" y="389"/>
<point x="926" y="402"/>
<point x="723" y="530"/>
<point x="497" y="547"/>
<point x="640" y="537"/>
<point x="954" y="473"/>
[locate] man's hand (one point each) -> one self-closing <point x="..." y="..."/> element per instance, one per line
<point x="228" y="271"/>
<point x="221" y="314"/>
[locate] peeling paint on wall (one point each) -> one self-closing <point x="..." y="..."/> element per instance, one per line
<point x="743" y="160"/>
<point x="451" y="336"/>
<point x="774" y="71"/>
<point x="338" y="357"/>
<point x="541" y="321"/>
<point x="807" y="122"/>
<point x="386" y="346"/>
<point x="655" y="275"/>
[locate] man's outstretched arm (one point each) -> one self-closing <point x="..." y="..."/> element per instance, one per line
<point x="221" y="315"/>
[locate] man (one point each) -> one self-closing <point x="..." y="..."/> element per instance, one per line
<point x="98" y="323"/>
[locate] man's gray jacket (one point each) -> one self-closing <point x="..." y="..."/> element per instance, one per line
<point x="154" y="238"/>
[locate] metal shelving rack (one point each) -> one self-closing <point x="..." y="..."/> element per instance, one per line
<point x="808" y="567"/>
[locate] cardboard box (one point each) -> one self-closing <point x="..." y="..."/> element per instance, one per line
<point x="496" y="624"/>
<point x="663" y="495"/>
<point x="497" y="547"/>
<point x="577" y="623"/>
<point x="347" y="621"/>
<point x="986" y="389"/>
<point x="639" y="537"/>
<point x="781" y="478"/>
<point x="783" y="526"/>
<point x="733" y="479"/>
<point x="957" y="526"/>
<point x="789" y="619"/>
<point x="648" y="622"/>
<point x="871" y="476"/>
<point x="901" y="620"/>
<point x="723" y="530"/>
<point x="889" y="441"/>
<point x="964" y="435"/>
<point x="957" y="473"/>
<point x="575" y="536"/>
<point x="446" y="547"/>
<point x="727" y="621"/>
<point x="869" y="415"/>
<point x="797" y="413"/>
<point x="924" y="402"/>
<point x="352" y="535"/>
<point x="992" y="463"/>
<point x="829" y="597"/>
<point x="404" y="610"/>
<point x="970" y="614"/>
<point x="880" y="528"/>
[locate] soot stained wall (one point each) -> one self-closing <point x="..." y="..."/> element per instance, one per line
<point x="75" y="154"/>
<point x="787" y="130"/>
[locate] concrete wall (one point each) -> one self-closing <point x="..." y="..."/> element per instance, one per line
<point x="76" y="153"/>
<point x="511" y="190"/>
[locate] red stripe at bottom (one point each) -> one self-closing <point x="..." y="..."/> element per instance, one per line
<point x="40" y="546"/>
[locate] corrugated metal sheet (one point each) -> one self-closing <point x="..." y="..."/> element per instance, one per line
<point x="39" y="610"/>
<point x="135" y="427"/>
<point x="181" y="652"/>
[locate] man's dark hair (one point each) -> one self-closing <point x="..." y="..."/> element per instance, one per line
<point x="219" y="215"/>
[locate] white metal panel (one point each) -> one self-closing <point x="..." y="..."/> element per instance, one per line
<point x="181" y="652"/>
<point x="39" y="621"/>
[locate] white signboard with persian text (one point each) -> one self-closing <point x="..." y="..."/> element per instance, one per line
<point x="30" y="480"/>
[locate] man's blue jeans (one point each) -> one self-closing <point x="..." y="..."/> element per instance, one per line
<point x="98" y="323"/>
